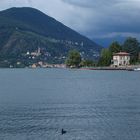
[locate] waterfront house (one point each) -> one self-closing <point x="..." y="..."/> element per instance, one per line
<point x="121" y="59"/>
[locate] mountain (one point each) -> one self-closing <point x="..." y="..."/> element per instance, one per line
<point x="27" y="35"/>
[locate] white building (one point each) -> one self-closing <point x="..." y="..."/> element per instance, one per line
<point x="36" y="53"/>
<point x="121" y="59"/>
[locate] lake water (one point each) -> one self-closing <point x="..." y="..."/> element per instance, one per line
<point x="35" y="104"/>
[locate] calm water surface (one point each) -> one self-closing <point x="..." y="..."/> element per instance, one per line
<point x="35" y="104"/>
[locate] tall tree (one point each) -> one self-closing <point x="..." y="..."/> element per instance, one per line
<point x="132" y="46"/>
<point x="115" y="47"/>
<point x="106" y="57"/>
<point x="74" y="59"/>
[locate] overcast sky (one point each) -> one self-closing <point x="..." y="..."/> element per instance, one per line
<point x="97" y="19"/>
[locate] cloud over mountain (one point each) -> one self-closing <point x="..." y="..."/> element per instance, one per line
<point x="94" y="18"/>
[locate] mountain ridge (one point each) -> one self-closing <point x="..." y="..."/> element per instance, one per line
<point x="38" y="30"/>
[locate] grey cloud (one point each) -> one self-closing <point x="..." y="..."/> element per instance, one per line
<point x="88" y="3"/>
<point x="107" y="17"/>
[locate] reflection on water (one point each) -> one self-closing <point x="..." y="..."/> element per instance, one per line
<point x="90" y="105"/>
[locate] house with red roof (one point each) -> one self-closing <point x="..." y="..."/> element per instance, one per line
<point x="121" y="59"/>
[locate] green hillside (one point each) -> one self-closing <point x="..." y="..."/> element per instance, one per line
<point x="24" y="31"/>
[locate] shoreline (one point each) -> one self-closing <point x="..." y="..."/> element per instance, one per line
<point x="109" y="68"/>
<point x="127" y="68"/>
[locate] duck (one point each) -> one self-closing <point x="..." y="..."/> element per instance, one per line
<point x="63" y="131"/>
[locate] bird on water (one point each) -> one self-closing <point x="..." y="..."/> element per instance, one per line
<point x="63" y="131"/>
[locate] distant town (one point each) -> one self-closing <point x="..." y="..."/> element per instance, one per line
<point x="112" y="58"/>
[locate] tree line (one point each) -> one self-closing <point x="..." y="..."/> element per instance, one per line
<point x="130" y="45"/>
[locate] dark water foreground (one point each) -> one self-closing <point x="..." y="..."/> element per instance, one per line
<point x="90" y="105"/>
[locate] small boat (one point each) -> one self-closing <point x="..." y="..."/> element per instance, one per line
<point x="137" y="69"/>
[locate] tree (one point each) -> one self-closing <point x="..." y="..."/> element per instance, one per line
<point x="132" y="46"/>
<point x="74" y="59"/>
<point x="106" y="57"/>
<point x="115" y="47"/>
<point x="87" y="63"/>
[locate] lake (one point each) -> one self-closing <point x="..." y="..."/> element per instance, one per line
<point x="35" y="104"/>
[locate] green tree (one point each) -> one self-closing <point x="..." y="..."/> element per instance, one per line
<point x="105" y="59"/>
<point x="74" y="59"/>
<point x="115" y="47"/>
<point x="132" y="46"/>
<point x="87" y="63"/>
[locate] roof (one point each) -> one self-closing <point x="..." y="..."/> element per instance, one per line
<point x="121" y="54"/>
